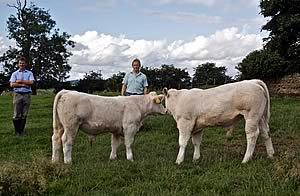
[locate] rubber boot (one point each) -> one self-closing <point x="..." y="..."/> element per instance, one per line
<point x="17" y="124"/>
<point x="22" y="126"/>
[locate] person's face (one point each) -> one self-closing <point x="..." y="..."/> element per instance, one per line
<point x="136" y="67"/>
<point x="22" y="65"/>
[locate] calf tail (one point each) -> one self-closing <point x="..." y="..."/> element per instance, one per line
<point x="264" y="122"/>
<point x="267" y="112"/>
<point x="57" y="125"/>
<point x="57" y="128"/>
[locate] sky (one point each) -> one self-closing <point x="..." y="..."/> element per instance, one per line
<point x="109" y="34"/>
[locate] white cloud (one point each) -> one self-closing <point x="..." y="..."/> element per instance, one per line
<point x="110" y="54"/>
<point x="3" y="47"/>
<point x="4" y="44"/>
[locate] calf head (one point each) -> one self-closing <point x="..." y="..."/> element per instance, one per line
<point x="156" y="103"/>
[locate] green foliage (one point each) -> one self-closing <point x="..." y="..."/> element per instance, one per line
<point x="284" y="28"/>
<point x="209" y="74"/>
<point x="114" y="83"/>
<point x="281" y="53"/>
<point x="91" y="81"/>
<point x="45" y="49"/>
<point x="262" y="64"/>
<point x="153" y="77"/>
<point x="167" y="76"/>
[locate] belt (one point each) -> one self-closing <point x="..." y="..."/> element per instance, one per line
<point x="23" y="93"/>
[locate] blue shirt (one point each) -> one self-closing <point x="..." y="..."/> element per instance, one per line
<point x="135" y="83"/>
<point x="22" y="75"/>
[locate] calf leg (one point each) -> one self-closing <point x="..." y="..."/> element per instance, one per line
<point x="185" y="128"/>
<point x="67" y="141"/>
<point x="264" y="131"/>
<point x="196" y="140"/>
<point x="116" y="140"/>
<point x="56" y="143"/>
<point x="252" y="132"/>
<point x="129" y="133"/>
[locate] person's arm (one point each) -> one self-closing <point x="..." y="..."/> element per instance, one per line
<point x="15" y="83"/>
<point x="18" y="85"/>
<point x="145" y="90"/>
<point x="26" y="82"/>
<point x="145" y="86"/>
<point x="123" y="90"/>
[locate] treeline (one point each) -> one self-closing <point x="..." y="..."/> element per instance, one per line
<point x="205" y="75"/>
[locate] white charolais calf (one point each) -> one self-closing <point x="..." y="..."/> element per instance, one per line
<point x="196" y="109"/>
<point x="121" y="116"/>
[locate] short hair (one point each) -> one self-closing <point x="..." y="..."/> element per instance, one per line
<point x="22" y="58"/>
<point x="136" y="60"/>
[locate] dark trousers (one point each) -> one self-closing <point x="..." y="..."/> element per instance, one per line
<point x="129" y="94"/>
<point x="21" y="104"/>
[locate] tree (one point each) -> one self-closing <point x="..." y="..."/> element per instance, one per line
<point x="167" y="76"/>
<point x="37" y="39"/>
<point x="3" y="82"/>
<point x="91" y="82"/>
<point x="114" y="83"/>
<point x="153" y="77"/>
<point x="284" y="27"/>
<point x="209" y="74"/>
<point x="262" y="64"/>
<point x="172" y="77"/>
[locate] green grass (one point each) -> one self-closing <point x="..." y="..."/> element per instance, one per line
<point x="26" y="168"/>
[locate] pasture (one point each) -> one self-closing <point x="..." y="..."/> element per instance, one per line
<point x="25" y="166"/>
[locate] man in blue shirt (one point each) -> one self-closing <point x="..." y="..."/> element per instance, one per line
<point x="135" y="82"/>
<point x="21" y="80"/>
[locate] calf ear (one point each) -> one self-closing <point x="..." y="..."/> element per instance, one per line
<point x="161" y="97"/>
<point x="165" y="92"/>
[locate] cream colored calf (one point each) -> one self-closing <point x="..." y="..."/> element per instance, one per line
<point x="121" y="116"/>
<point x="195" y="109"/>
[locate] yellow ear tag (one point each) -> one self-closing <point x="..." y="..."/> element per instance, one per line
<point x="157" y="100"/>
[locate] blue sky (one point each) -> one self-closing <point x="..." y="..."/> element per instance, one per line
<point x="109" y="34"/>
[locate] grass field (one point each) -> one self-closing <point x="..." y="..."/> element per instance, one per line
<point x="25" y="166"/>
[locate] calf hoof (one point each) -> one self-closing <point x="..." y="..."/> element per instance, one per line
<point x="245" y="161"/>
<point x="131" y="160"/>
<point x="112" y="158"/>
<point x="69" y="162"/>
<point x="55" y="160"/>
<point x="178" y="162"/>
<point x="196" y="157"/>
